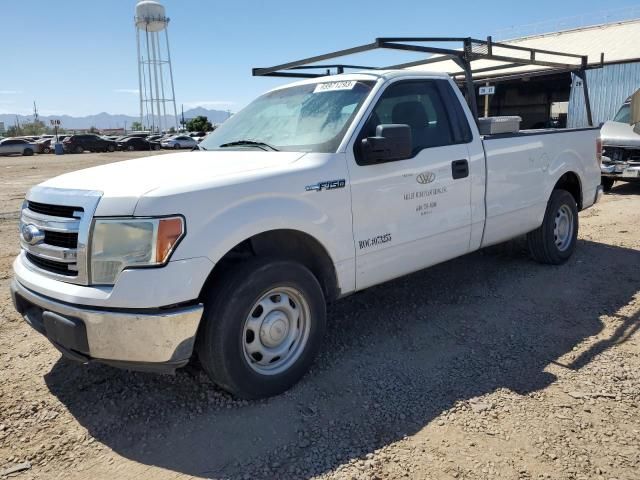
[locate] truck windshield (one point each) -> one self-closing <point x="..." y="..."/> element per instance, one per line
<point x="624" y="114"/>
<point x="304" y="118"/>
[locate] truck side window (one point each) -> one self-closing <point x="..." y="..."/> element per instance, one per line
<point x="418" y="104"/>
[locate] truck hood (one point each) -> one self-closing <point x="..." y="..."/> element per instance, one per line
<point x="618" y="134"/>
<point x="123" y="183"/>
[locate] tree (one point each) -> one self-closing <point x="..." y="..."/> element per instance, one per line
<point x="33" y="128"/>
<point x="12" y="131"/>
<point x="172" y="130"/>
<point x="199" y="124"/>
<point x="136" y="126"/>
<point x="93" y="130"/>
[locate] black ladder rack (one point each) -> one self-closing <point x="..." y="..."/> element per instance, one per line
<point x="472" y="49"/>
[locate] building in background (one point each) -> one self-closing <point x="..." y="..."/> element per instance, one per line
<point x="155" y="73"/>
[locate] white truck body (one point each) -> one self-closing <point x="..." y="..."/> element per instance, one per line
<point x="374" y="222"/>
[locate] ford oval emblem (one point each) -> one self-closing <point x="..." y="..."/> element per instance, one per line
<point x="425" y="177"/>
<point x="31" y="234"/>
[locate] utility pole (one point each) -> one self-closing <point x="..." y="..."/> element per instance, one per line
<point x="35" y="112"/>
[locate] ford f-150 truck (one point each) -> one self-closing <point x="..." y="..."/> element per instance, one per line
<point x="315" y="190"/>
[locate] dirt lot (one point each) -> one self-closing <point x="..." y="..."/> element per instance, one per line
<point x="489" y="366"/>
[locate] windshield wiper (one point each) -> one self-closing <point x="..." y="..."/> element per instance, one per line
<point x="250" y="143"/>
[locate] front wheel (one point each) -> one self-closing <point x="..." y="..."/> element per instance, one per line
<point x="263" y="324"/>
<point x="555" y="240"/>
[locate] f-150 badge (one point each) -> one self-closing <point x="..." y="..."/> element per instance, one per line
<point x="327" y="185"/>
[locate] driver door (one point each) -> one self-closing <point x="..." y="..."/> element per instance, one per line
<point x="410" y="214"/>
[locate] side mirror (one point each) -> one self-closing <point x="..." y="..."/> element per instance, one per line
<point x="635" y="111"/>
<point x="392" y="142"/>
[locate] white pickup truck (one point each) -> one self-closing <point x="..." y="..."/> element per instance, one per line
<point x="316" y="190"/>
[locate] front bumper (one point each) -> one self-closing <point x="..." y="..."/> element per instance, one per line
<point x="156" y="340"/>
<point x="621" y="171"/>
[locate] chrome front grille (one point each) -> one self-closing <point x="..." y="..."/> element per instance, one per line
<point x="54" y="227"/>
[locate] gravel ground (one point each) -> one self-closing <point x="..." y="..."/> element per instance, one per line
<point x="486" y="367"/>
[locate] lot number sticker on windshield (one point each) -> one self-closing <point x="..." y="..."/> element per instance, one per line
<point x="332" y="86"/>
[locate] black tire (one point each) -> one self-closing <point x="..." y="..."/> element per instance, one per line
<point x="176" y="146"/>
<point x="607" y="183"/>
<point x="543" y="242"/>
<point x="156" y="147"/>
<point x="27" y="152"/>
<point x="228" y="303"/>
<point x="111" y="148"/>
<point x="46" y="150"/>
<point x="78" y="149"/>
<point x="130" y="148"/>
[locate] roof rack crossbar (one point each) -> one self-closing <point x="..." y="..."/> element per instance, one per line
<point x="472" y="49"/>
<point x="416" y="63"/>
<point x="317" y="58"/>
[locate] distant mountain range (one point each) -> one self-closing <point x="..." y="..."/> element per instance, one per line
<point x="107" y="120"/>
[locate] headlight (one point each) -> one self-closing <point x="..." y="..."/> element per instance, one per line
<point x="117" y="244"/>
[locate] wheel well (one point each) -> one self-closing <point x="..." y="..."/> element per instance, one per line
<point x="571" y="183"/>
<point x="287" y="244"/>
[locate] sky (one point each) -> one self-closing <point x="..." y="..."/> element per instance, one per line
<point x="78" y="57"/>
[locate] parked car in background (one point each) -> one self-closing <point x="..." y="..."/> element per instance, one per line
<point x="179" y="141"/>
<point x="138" y="134"/>
<point x="155" y="138"/>
<point x="29" y="138"/>
<point x="91" y="142"/>
<point x="44" y="145"/>
<point x="137" y="143"/>
<point x="17" y="145"/>
<point x="621" y="149"/>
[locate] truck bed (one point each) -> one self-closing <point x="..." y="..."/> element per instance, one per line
<point x="522" y="169"/>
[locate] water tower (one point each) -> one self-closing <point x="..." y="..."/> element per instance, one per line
<point x="154" y="63"/>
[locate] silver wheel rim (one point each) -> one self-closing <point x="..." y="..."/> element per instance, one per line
<point x="563" y="228"/>
<point x="276" y="331"/>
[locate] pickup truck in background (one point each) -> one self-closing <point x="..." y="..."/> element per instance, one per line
<point x="621" y="149"/>
<point x="314" y="191"/>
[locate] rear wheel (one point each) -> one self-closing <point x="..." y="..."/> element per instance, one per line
<point x="263" y="324"/>
<point x="555" y="240"/>
<point x="111" y="148"/>
<point x="176" y="146"/>
<point x="46" y="150"/>
<point x="78" y="149"/>
<point x="607" y="183"/>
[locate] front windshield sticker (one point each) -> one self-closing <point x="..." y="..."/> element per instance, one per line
<point x="332" y="86"/>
